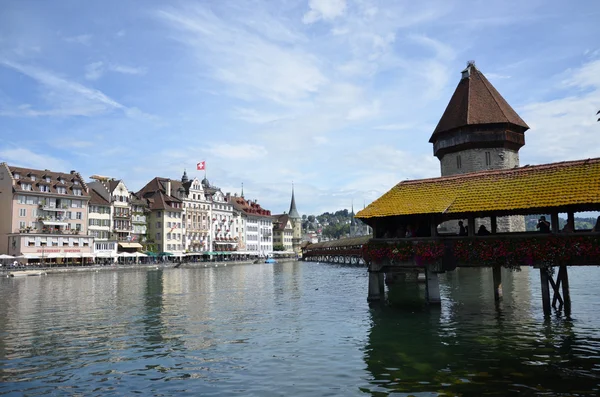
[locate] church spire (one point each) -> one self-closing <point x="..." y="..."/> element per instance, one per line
<point x="293" y="212"/>
<point x="242" y="189"/>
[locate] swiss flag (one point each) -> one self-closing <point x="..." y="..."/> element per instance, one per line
<point x="201" y="165"/>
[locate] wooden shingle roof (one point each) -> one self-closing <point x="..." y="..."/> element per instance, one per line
<point x="475" y="102"/>
<point x="574" y="184"/>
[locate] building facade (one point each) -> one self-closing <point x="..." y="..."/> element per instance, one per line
<point x="44" y="213"/>
<point x="283" y="233"/>
<point x="256" y="234"/>
<point x="165" y="217"/>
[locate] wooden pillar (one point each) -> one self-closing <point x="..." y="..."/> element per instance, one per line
<point x="375" y="292"/>
<point x="554" y="222"/>
<point x="545" y="290"/>
<point x="565" y="289"/>
<point x="433" y="225"/>
<point x="432" y="287"/>
<point x="494" y="222"/>
<point x="497" y="273"/>
<point x="471" y="223"/>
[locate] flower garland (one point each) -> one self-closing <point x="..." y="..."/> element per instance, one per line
<point x="403" y="251"/>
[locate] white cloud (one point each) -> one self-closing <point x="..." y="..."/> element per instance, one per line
<point x="324" y="9"/>
<point x="94" y="71"/>
<point x="67" y="98"/>
<point x="84" y="39"/>
<point x="21" y="157"/>
<point x="251" y="66"/>
<point x="566" y="128"/>
<point x="243" y="151"/>
<point x="124" y="69"/>
<point x="255" y="117"/>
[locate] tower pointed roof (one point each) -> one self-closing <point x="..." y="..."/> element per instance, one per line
<point x="293" y="212"/>
<point x="474" y="102"/>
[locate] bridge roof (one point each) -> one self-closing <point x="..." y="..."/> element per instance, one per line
<point x="573" y="185"/>
<point x="343" y="242"/>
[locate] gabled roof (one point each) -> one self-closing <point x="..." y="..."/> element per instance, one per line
<point x="524" y="190"/>
<point x="97" y="199"/>
<point x="112" y="184"/>
<point x="476" y="101"/>
<point x="55" y="177"/>
<point x="280" y="222"/>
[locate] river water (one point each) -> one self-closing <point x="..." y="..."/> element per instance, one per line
<point x="291" y="329"/>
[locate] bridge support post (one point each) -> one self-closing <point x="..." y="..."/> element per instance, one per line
<point x="376" y="286"/>
<point x="565" y="289"/>
<point x="432" y="286"/>
<point x="497" y="274"/>
<point x="545" y="290"/>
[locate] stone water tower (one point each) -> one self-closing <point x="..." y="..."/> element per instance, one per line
<point x="479" y="131"/>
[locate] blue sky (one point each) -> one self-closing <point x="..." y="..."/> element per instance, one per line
<point x="338" y="96"/>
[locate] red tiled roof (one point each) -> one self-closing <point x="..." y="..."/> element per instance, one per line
<point x="476" y="101"/>
<point x="248" y="207"/>
<point x="69" y="180"/>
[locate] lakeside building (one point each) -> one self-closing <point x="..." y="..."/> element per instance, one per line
<point x="44" y="213"/>
<point x="119" y="198"/>
<point x="283" y="232"/>
<point x="165" y="216"/>
<point x="196" y="214"/>
<point x="222" y="218"/>
<point x="99" y="217"/>
<point x="255" y="229"/>
<point x="139" y="225"/>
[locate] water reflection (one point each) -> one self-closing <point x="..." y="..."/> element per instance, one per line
<point x="471" y="346"/>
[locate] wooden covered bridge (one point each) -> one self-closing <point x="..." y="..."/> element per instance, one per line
<point x="410" y="221"/>
<point x="343" y="251"/>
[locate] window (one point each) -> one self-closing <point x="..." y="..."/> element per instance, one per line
<point x="16" y="176"/>
<point x="458" y="162"/>
<point x="78" y="215"/>
<point x="48" y="179"/>
<point x="158" y="236"/>
<point x="488" y="159"/>
<point x="77" y="192"/>
<point x="26" y="186"/>
<point x="33" y="177"/>
<point x="22" y="225"/>
<point x="44" y="188"/>
<point x="22" y="212"/>
<point x="157" y="225"/>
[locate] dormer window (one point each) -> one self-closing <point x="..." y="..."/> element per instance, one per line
<point x="61" y="190"/>
<point x="75" y="182"/>
<point x="44" y="188"/>
<point x="61" y="180"/>
<point x="16" y="175"/>
<point x="32" y="177"/>
<point x="48" y="179"/>
<point x="26" y="186"/>
<point x="76" y="192"/>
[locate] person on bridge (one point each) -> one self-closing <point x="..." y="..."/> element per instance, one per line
<point x="596" y="227"/>
<point x="462" y="230"/>
<point x="543" y="225"/>
<point x="483" y="231"/>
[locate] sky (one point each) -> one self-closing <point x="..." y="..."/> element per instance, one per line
<point x="337" y="97"/>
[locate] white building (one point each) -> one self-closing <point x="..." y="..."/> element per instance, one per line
<point x="254" y="227"/>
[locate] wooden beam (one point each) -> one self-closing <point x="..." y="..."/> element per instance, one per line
<point x="471" y="224"/>
<point x="494" y="221"/>
<point x="545" y="291"/>
<point x="554" y="222"/>
<point x="556" y="292"/>
<point x="565" y="288"/>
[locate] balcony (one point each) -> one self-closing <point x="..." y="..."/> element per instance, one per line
<point x="122" y="229"/>
<point x="51" y="231"/>
<point x="53" y="221"/>
<point x="52" y="207"/>
<point x="122" y="215"/>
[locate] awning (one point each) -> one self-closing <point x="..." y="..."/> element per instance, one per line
<point x="130" y="245"/>
<point x="55" y="223"/>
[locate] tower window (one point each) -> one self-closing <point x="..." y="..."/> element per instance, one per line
<point x="458" y="162"/>
<point x="488" y="158"/>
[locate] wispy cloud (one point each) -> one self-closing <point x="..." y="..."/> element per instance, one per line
<point x="250" y="65"/>
<point x="95" y="70"/>
<point x="66" y="97"/>
<point x="324" y="9"/>
<point x="84" y="39"/>
<point x="243" y="151"/>
<point x="22" y="157"/>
